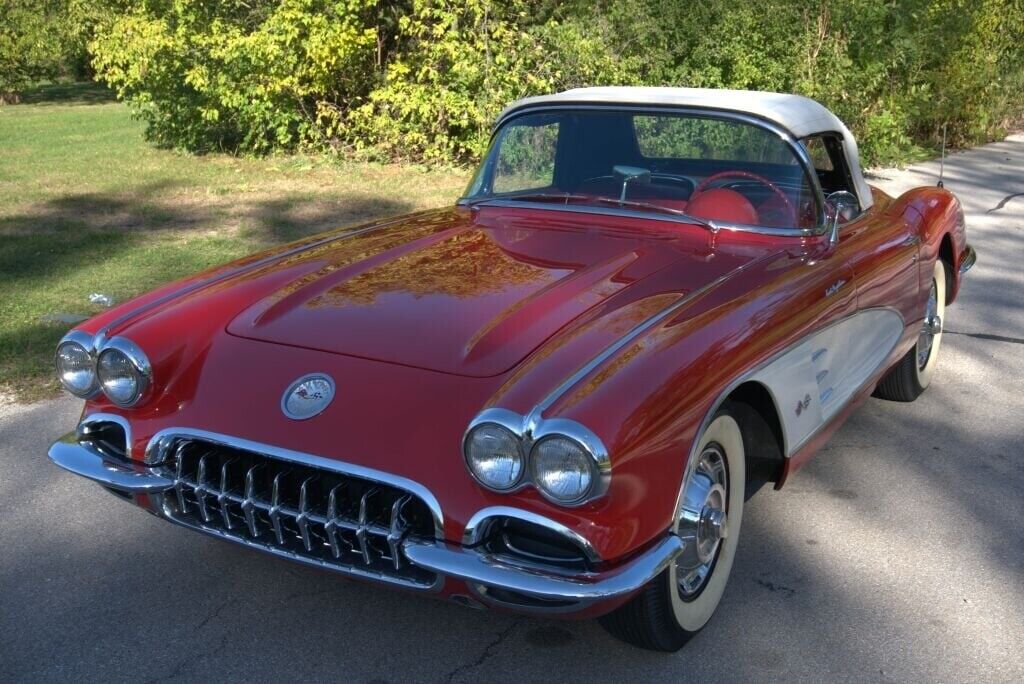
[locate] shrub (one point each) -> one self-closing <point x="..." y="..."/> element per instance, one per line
<point x="423" y="79"/>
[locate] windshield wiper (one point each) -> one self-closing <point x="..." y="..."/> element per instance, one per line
<point x="541" y="196"/>
<point x="566" y="197"/>
<point x="657" y="207"/>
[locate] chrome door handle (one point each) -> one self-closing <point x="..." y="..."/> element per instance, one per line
<point x="911" y="241"/>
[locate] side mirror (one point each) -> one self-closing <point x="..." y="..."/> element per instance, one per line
<point x="840" y="206"/>
<point x="630" y="174"/>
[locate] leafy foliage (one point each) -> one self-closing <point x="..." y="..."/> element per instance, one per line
<point x="44" y="40"/>
<point x="423" y="79"/>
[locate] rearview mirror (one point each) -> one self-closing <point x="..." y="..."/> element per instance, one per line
<point x="630" y="174"/>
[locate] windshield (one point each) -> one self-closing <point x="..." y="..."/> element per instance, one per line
<point x="717" y="169"/>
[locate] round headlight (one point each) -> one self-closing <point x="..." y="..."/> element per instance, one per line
<point x="494" y="456"/>
<point x="562" y="469"/>
<point x="123" y="372"/>
<point x="75" y="369"/>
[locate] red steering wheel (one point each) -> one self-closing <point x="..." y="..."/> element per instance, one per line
<point x="737" y="173"/>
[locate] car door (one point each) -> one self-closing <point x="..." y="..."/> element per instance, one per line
<point x="883" y="251"/>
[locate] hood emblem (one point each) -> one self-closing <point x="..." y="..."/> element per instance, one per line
<point x="308" y="396"/>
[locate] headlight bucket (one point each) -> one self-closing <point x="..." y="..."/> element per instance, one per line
<point x="562" y="469"/>
<point x="123" y="372"/>
<point x="494" y="456"/>
<point x="562" y="459"/>
<point x="76" y="367"/>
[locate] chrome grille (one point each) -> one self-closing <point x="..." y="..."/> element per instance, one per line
<point x="329" y="518"/>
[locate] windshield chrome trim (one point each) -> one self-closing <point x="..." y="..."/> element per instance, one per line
<point x="705" y="112"/>
<point x="714" y="226"/>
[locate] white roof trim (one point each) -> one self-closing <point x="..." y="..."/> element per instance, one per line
<point x="800" y="116"/>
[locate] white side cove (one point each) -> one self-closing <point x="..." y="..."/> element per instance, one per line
<point x="815" y="379"/>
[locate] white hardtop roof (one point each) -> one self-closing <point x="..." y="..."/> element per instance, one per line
<point x="799" y="115"/>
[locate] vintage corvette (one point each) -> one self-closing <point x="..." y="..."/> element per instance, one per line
<point x="554" y="396"/>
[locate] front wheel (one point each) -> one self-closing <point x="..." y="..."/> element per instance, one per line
<point x="912" y="375"/>
<point x="670" y="610"/>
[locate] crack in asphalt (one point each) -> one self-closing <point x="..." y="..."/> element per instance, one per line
<point x="988" y="336"/>
<point x="190" y="660"/>
<point x="215" y="613"/>
<point x="1002" y="202"/>
<point x="487" y="653"/>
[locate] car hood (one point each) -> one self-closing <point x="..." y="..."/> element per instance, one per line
<point x="464" y="292"/>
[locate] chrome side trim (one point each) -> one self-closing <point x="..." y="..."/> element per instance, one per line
<point x="968" y="259"/>
<point x="83" y="427"/>
<point x="104" y="332"/>
<point x="535" y="415"/>
<point x="159" y="442"/>
<point x="477" y="527"/>
<point x="582" y="589"/>
<point x="801" y="153"/>
<point x="787" y="449"/>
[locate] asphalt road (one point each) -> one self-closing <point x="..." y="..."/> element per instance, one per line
<point x="897" y="554"/>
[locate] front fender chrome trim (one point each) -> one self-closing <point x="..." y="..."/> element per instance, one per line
<point x="476" y="528"/>
<point x="482" y="571"/>
<point x="639" y="329"/>
<point x="155" y="453"/>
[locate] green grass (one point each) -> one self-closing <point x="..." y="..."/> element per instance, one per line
<point x="87" y="205"/>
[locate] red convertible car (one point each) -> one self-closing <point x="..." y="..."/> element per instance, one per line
<point x="554" y="396"/>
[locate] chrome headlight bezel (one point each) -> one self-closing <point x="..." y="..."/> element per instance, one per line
<point x="501" y="423"/>
<point x="532" y="431"/>
<point x="84" y="341"/>
<point x="138" y="362"/>
<point x="538" y="475"/>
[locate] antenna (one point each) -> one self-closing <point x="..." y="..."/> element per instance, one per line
<point x="942" y="158"/>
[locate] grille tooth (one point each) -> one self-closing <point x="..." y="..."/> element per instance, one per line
<point x="201" y="489"/>
<point x="179" y="481"/>
<point x="275" y="507"/>
<point x="364" y="524"/>
<point x="249" y="502"/>
<point x="291" y="508"/>
<point x="302" y="520"/>
<point x="223" y="497"/>
<point x="397" y="530"/>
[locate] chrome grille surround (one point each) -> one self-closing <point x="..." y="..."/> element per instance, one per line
<point x="305" y="508"/>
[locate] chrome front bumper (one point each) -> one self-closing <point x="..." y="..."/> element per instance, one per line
<point x="491" y="578"/>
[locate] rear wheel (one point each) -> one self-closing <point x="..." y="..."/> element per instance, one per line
<point x="680" y="601"/>
<point x="912" y="375"/>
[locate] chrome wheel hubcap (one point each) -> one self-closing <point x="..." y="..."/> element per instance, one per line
<point x="932" y="327"/>
<point x="703" y="520"/>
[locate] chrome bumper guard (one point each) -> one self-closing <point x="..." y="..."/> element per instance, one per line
<point x="968" y="259"/>
<point x="481" y="571"/>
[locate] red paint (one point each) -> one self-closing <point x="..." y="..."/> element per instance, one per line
<point x="429" y="319"/>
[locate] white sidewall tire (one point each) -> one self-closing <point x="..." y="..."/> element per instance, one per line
<point x="693" y="615"/>
<point x="924" y="375"/>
